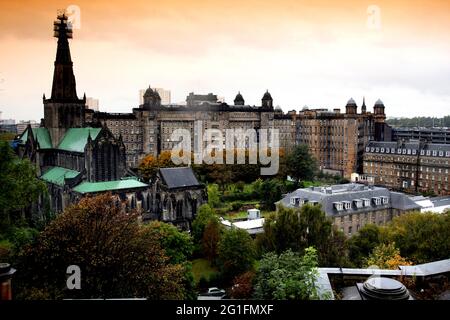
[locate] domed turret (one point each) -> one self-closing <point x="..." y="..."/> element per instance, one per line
<point x="378" y="108"/>
<point x="239" y="100"/>
<point x="351" y="107"/>
<point x="151" y="98"/>
<point x="267" y="100"/>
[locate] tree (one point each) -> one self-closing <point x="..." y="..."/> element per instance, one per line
<point x="300" y="164"/>
<point x="19" y="187"/>
<point x="243" y="286"/>
<point x="288" y="276"/>
<point x="213" y="195"/>
<point x="149" y="165"/>
<point x="178" y="246"/>
<point x="386" y="256"/>
<point x="297" y="229"/>
<point x="362" y="244"/>
<point x="211" y="238"/>
<point x="205" y="214"/>
<point x="116" y="255"/>
<point x="236" y="252"/>
<point x="421" y="237"/>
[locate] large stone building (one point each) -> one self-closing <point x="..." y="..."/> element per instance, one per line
<point x="78" y="155"/>
<point x="412" y="166"/>
<point x="336" y="139"/>
<point x="351" y="206"/>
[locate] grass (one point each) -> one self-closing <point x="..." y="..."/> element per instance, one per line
<point x="202" y="268"/>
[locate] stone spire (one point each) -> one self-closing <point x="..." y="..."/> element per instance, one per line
<point x="363" y="107"/>
<point x="64" y="87"/>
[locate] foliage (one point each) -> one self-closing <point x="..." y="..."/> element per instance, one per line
<point x="177" y="244"/>
<point x="288" y="276"/>
<point x="243" y="286"/>
<point x="149" y="165"/>
<point x="204" y="215"/>
<point x="213" y="195"/>
<point x="202" y="269"/>
<point x="19" y="186"/>
<point x="362" y="243"/>
<point x="386" y="256"/>
<point x="301" y="165"/>
<point x="210" y="240"/>
<point x="421" y="237"/>
<point x="427" y="122"/>
<point x="116" y="255"/>
<point x="300" y="228"/>
<point x="236" y="252"/>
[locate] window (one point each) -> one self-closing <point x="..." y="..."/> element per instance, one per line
<point x="338" y="206"/>
<point x="376" y="200"/>
<point x="347" y="205"/>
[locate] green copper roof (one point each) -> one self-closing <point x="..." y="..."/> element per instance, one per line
<point x="57" y="175"/>
<point x="41" y="135"/>
<point x="91" y="187"/>
<point x="75" y="139"/>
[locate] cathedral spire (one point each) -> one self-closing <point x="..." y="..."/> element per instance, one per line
<point x="364" y="108"/>
<point x="64" y="87"/>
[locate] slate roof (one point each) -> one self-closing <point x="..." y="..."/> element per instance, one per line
<point x="92" y="187"/>
<point x="75" y="139"/>
<point x="411" y="145"/>
<point x="350" y="192"/>
<point x="56" y="175"/>
<point x="179" y="177"/>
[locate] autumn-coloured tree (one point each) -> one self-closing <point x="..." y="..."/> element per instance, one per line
<point x="149" y="165"/>
<point x="243" y="286"/>
<point x="115" y="254"/>
<point x="386" y="256"/>
<point x="211" y="238"/>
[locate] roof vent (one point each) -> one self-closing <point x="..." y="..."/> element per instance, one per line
<point x="379" y="288"/>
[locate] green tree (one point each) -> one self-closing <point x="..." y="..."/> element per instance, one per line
<point x="362" y="244"/>
<point x="300" y="164"/>
<point x="298" y="229"/>
<point x="288" y="276"/>
<point x="116" y="255"/>
<point x="19" y="188"/>
<point x="213" y="195"/>
<point x="421" y="237"/>
<point x="178" y="246"/>
<point x="236" y="252"/>
<point x="204" y="215"/>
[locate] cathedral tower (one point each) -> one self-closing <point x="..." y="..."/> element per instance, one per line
<point x="63" y="110"/>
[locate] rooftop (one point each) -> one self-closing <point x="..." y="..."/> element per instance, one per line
<point x="57" y="175"/>
<point x="93" y="187"/>
<point x="75" y="139"/>
<point x="179" y="177"/>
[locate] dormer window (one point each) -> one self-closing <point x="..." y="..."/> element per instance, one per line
<point x="382" y="150"/>
<point x="347" y="205"/>
<point x="297" y="201"/>
<point x="392" y="150"/>
<point x="366" y="202"/>
<point x="447" y="153"/>
<point x="414" y="152"/>
<point x="376" y="201"/>
<point x="367" y="149"/>
<point x="339" y="206"/>
<point x="384" y="200"/>
<point x="434" y="153"/>
<point x="399" y="151"/>
<point x="358" y="203"/>
<point x="404" y="151"/>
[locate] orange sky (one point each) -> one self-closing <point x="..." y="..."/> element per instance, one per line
<point x="315" y="53"/>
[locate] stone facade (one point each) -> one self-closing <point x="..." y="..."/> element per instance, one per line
<point x="409" y="166"/>
<point x="336" y="139"/>
<point x="351" y="206"/>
